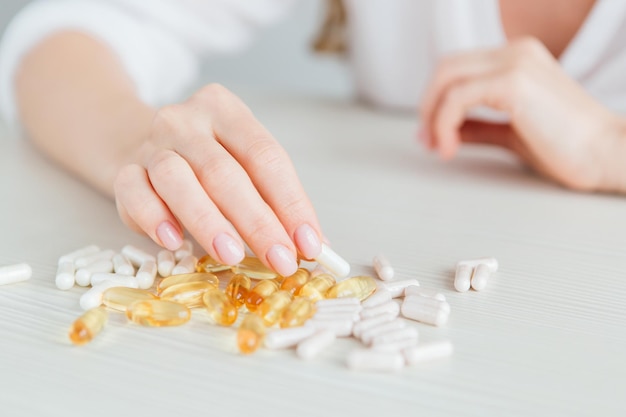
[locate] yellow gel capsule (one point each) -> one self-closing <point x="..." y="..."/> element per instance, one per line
<point x="237" y="289"/>
<point x="87" y="326"/>
<point x="250" y="334"/>
<point x="299" y="311"/>
<point x="208" y="264"/>
<point x="254" y="268"/>
<point x="260" y="292"/>
<point x="273" y="306"/>
<point x="294" y="282"/>
<point x="317" y="287"/>
<point x="119" y="298"/>
<point x="186" y="279"/>
<point x="189" y="294"/>
<point x="221" y="309"/>
<point x="158" y="313"/>
<point x="357" y="287"/>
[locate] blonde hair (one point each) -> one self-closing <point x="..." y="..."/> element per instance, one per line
<point x="332" y="37"/>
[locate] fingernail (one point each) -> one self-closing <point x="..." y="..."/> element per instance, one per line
<point x="282" y="260"/>
<point x="228" y="249"/>
<point x="307" y="241"/>
<point x="169" y="235"/>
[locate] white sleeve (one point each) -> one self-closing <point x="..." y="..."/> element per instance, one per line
<point x="159" y="42"/>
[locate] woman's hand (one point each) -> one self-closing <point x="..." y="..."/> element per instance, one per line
<point x="209" y="166"/>
<point x="555" y="126"/>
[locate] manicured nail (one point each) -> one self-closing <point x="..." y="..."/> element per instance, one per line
<point x="282" y="260"/>
<point x="228" y="249"/>
<point x="307" y="241"/>
<point x="169" y="235"/>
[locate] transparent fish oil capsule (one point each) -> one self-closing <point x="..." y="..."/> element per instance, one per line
<point x="294" y="282"/>
<point x="87" y="326"/>
<point x="119" y="298"/>
<point x="250" y="334"/>
<point x="237" y="289"/>
<point x="189" y="294"/>
<point x="158" y="313"/>
<point x="220" y="307"/>
<point x="317" y="287"/>
<point x="273" y="306"/>
<point x="259" y="293"/>
<point x="297" y="312"/>
<point x="359" y="287"/>
<point x="186" y="279"/>
<point x="254" y="268"/>
<point x="208" y="264"/>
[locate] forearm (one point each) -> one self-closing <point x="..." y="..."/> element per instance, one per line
<point x="78" y="105"/>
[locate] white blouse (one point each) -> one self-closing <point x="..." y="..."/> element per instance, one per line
<point x="394" y="44"/>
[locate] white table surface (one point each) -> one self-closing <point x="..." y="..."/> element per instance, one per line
<point x="547" y="337"/>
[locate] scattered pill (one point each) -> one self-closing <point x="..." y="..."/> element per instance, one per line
<point x="297" y="313"/>
<point x="294" y="282"/>
<point x="254" y="268"/>
<point x="158" y="313"/>
<point x="491" y="262"/>
<point x="359" y="287"/>
<point x="83" y="274"/>
<point x="316" y="288"/>
<point x="237" y="289"/>
<point x="341" y="328"/>
<point x="11" y="274"/>
<point x="315" y="344"/>
<point x="335" y="302"/>
<point x="332" y="262"/>
<point x="396" y="288"/>
<point x="424" y="292"/>
<point x="395" y="335"/>
<point x="186" y="279"/>
<point x="136" y="256"/>
<point x="146" y="274"/>
<point x="380" y="296"/>
<point x="189" y="294"/>
<point x="221" y="309"/>
<point x="165" y="262"/>
<point x="64" y="278"/>
<point x="425" y="310"/>
<point x="463" y="277"/>
<point x="390" y="307"/>
<point x="119" y="298"/>
<point x="366" y="324"/>
<point x="71" y="257"/>
<point x="93" y="297"/>
<point x="208" y="264"/>
<point x="87" y="326"/>
<point x="383" y="267"/>
<point x="372" y="360"/>
<point x="259" y="293"/>
<point x="121" y="265"/>
<point x="337" y="315"/>
<point x="369" y="334"/>
<point x="187" y="265"/>
<point x="272" y="307"/>
<point x="186" y="249"/>
<point x="250" y="334"/>
<point x="286" y="338"/>
<point x="428" y="351"/>
<point x="480" y="277"/>
<point x="105" y="255"/>
<point x="100" y="277"/>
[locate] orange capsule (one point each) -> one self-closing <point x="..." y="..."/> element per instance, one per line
<point x="189" y="294"/>
<point x="208" y="264"/>
<point x="294" y="282"/>
<point x="260" y="292"/>
<point x="250" y="334"/>
<point x="158" y="313"/>
<point x="186" y="279"/>
<point x="237" y="289"/>
<point x="119" y="298"/>
<point x="356" y="287"/>
<point x="221" y="309"/>
<point x="297" y="312"/>
<point x="316" y="288"/>
<point x="87" y="326"/>
<point x="254" y="268"/>
<point x="273" y="306"/>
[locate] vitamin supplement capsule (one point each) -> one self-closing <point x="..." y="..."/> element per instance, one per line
<point x="254" y="268"/>
<point x="208" y="264"/>
<point x="83" y="275"/>
<point x="136" y="256"/>
<point x="397" y="346"/>
<point x="165" y="262"/>
<point x="121" y="265"/>
<point x="187" y="279"/>
<point x="425" y="310"/>
<point x="285" y="338"/>
<point x="71" y="257"/>
<point x="428" y="352"/>
<point x="480" y="277"/>
<point x="341" y="328"/>
<point x="297" y="312"/>
<point x="423" y="292"/>
<point x="221" y="309"/>
<point x="119" y="298"/>
<point x="428" y="302"/>
<point x="185" y="250"/>
<point x="368" y="335"/>
<point x="383" y="267"/>
<point x="99" y="277"/>
<point x="334" y="263"/>
<point x="189" y="294"/>
<point x="463" y="277"/>
<point x="93" y="297"/>
<point x="336" y="302"/>
<point x="390" y="307"/>
<point x="396" y="288"/>
<point x="259" y="293"/>
<point x="64" y="279"/>
<point x="339" y="309"/>
<point x="250" y="334"/>
<point x="237" y="289"/>
<point x="158" y="313"/>
<point x="337" y="315"/>
<point x="492" y="263"/>
<point x="372" y="360"/>
<point x="271" y="309"/>
<point x="187" y="265"/>
<point x="318" y="270"/>
<point x="313" y="345"/>
<point x="357" y="287"/>
<point x="11" y="274"/>
<point x="146" y="274"/>
<point x="294" y="282"/>
<point x="87" y="326"/>
<point x="380" y="296"/>
<point x="395" y="335"/>
<point x="317" y="287"/>
<point x="105" y="255"/>
<point x="369" y="323"/>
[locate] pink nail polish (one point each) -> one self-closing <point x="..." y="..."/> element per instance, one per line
<point x="307" y="241"/>
<point x="169" y="235"/>
<point x="282" y="260"/>
<point x="228" y="249"/>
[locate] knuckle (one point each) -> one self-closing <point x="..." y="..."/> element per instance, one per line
<point x="126" y="176"/>
<point x="266" y="152"/>
<point x="261" y="228"/>
<point x="529" y="46"/>
<point x="163" y="165"/>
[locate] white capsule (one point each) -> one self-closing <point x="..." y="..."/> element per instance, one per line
<point x="425" y="310"/>
<point x="99" y="277"/>
<point x="390" y="307"/>
<point x="186" y="265"/>
<point x="83" y="275"/>
<point x="383" y="267"/>
<point x="491" y="262"/>
<point x="136" y="256"/>
<point x="313" y="345"/>
<point x="185" y="250"/>
<point x="368" y="335"/>
<point x="337" y="315"/>
<point x="395" y="335"/>
<point x="341" y="328"/>
<point x="372" y="360"/>
<point x="424" y="292"/>
<point x="93" y="297"/>
<point x="121" y="265"/>
<point x="104" y="255"/>
<point x="64" y="278"/>
<point x="146" y="274"/>
<point x="165" y="262"/>
<point x="378" y="297"/>
<point x="319" y="269"/>
<point x="480" y="277"/>
<point x="463" y="277"/>
<point x="331" y="302"/>
<point x="339" y="309"/>
<point x="428" y="352"/>
<point x="11" y="274"/>
<point x="366" y="324"/>
<point x="334" y="263"/>
<point x="288" y="337"/>
<point x="396" y="288"/>
<point x="71" y="257"/>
